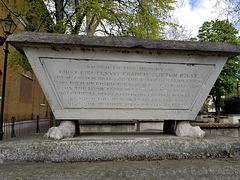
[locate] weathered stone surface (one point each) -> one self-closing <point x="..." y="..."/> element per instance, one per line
<point x="112" y="146"/>
<point x="234" y="118"/>
<point x="228" y="131"/>
<point x="123" y="78"/>
<point x="34" y="38"/>
<point x="124" y="85"/>
<point x="184" y="129"/>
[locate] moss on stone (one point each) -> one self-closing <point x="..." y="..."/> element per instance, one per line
<point x="216" y="125"/>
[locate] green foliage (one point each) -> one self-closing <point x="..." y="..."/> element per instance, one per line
<point x="141" y="18"/>
<point x="232" y="105"/>
<point x="224" y="32"/>
<point x="218" y="31"/>
<point x="227" y="80"/>
<point x="17" y="61"/>
<point x="29" y="13"/>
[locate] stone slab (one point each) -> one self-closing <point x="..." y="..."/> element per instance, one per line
<point x="113" y="146"/>
<point x="108" y="128"/>
<point x="234" y="118"/>
<point x="123" y="85"/>
<point x="123" y="78"/>
<point x="150" y="126"/>
<point x="42" y="39"/>
<point x="231" y="131"/>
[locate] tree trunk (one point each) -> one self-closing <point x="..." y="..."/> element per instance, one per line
<point x="92" y="24"/>
<point x="218" y="109"/>
<point x="59" y="15"/>
<point x="217" y="101"/>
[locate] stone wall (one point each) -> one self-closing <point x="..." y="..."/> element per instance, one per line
<point x="228" y="131"/>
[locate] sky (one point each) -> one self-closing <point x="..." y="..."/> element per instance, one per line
<point x="194" y="12"/>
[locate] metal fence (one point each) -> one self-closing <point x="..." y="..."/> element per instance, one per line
<point x="16" y="129"/>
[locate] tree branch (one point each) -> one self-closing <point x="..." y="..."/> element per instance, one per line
<point x="18" y="16"/>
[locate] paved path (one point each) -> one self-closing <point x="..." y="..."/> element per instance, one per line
<point x="214" y="169"/>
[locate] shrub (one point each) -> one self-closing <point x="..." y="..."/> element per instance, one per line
<point x="232" y="105"/>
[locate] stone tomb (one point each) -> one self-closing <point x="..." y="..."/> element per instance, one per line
<point x="123" y="78"/>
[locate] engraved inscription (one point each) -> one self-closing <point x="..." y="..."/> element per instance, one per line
<point x="120" y="85"/>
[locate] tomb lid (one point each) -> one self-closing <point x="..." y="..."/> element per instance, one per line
<point x="51" y="39"/>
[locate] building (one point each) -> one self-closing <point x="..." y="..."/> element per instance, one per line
<point x="24" y="98"/>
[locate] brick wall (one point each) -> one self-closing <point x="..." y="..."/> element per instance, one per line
<point x="24" y="98"/>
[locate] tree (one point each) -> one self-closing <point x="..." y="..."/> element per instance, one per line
<point x="173" y="30"/>
<point x="177" y="32"/>
<point x="230" y="9"/>
<point x="27" y="10"/>
<point x="142" y="18"/>
<point x="222" y="31"/>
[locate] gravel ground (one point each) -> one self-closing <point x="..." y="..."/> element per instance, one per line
<point x="112" y="146"/>
<point x="33" y="157"/>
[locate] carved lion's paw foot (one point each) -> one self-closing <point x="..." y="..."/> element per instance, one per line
<point x="185" y="129"/>
<point x="64" y="130"/>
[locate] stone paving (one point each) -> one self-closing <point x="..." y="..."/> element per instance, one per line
<point x="145" y="155"/>
<point x="213" y="169"/>
<point x="112" y="146"/>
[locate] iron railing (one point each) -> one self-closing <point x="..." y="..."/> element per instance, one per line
<point x="20" y="128"/>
